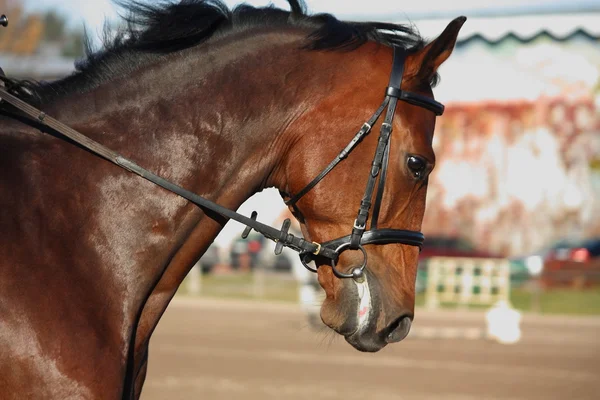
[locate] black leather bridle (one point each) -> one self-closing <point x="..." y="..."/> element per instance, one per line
<point x="360" y="236"/>
<point x="307" y="250"/>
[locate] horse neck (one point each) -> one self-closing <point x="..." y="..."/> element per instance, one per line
<point x="192" y="121"/>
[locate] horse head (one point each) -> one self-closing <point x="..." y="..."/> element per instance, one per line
<point x="377" y="306"/>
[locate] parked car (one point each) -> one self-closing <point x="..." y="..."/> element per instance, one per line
<point x="564" y="250"/>
<point x="453" y="246"/>
<point x="574" y="250"/>
<point x="209" y="259"/>
<point x="572" y="263"/>
<point x="251" y="247"/>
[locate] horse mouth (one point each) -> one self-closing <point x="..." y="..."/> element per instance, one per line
<point x="363" y="335"/>
<point x="365" y="343"/>
<point x="372" y="341"/>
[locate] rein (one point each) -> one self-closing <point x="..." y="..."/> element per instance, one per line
<point x="279" y="235"/>
<point x="308" y="250"/>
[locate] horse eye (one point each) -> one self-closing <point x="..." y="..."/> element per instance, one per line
<point x="417" y="166"/>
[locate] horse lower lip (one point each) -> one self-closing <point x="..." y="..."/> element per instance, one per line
<point x="365" y="344"/>
<point x="400" y="331"/>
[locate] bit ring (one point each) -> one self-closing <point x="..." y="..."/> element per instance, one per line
<point x="357" y="273"/>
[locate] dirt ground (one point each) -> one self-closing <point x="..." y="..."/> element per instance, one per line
<point x="208" y="349"/>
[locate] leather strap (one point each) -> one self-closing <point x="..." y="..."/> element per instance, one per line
<point x="360" y="222"/>
<point x="395" y="83"/>
<point x="364" y="131"/>
<point x="383" y="236"/>
<point x="287" y="239"/>
<point x="397" y="69"/>
<point x="422" y="101"/>
<point x="377" y="237"/>
<point x="393" y="89"/>
<point x="381" y="185"/>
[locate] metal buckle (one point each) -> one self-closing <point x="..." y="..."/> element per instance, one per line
<point x="386" y="129"/>
<point x="359" y="227"/>
<point x="316" y="252"/>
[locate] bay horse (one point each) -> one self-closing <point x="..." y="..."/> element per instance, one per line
<point x="224" y="103"/>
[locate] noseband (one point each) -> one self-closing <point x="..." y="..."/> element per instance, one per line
<point x="307" y="250"/>
<point x="359" y="235"/>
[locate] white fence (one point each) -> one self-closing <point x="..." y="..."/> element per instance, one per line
<point x="467" y="281"/>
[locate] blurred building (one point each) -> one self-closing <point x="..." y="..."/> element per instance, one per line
<point x="518" y="149"/>
<point x="45" y="64"/>
<point x="33" y="46"/>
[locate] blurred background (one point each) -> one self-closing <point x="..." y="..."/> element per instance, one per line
<point x="512" y="224"/>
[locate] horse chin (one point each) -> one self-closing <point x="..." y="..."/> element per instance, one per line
<point x="366" y="342"/>
<point x="361" y="308"/>
<point x="365" y="337"/>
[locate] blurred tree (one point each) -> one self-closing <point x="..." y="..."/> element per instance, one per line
<point x="26" y="33"/>
<point x="14" y="12"/>
<point x="54" y="26"/>
<point x="56" y="31"/>
<point x="75" y="45"/>
<point x="5" y="5"/>
<point x="29" y="36"/>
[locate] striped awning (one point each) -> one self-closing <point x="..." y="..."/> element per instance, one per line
<point x="523" y="28"/>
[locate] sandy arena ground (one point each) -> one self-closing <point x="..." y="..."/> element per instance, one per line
<point x="207" y="349"/>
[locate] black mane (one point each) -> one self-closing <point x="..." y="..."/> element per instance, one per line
<point x="154" y="31"/>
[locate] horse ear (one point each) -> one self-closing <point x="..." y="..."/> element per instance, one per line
<point x="435" y="53"/>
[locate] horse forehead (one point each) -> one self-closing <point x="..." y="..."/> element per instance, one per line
<point x="415" y="127"/>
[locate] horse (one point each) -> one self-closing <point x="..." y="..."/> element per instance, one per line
<point x="224" y="103"/>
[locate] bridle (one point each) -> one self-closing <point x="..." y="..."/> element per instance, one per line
<point x="306" y="249"/>
<point x="359" y="235"/>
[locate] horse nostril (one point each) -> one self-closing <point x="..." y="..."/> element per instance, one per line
<point x="398" y="329"/>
